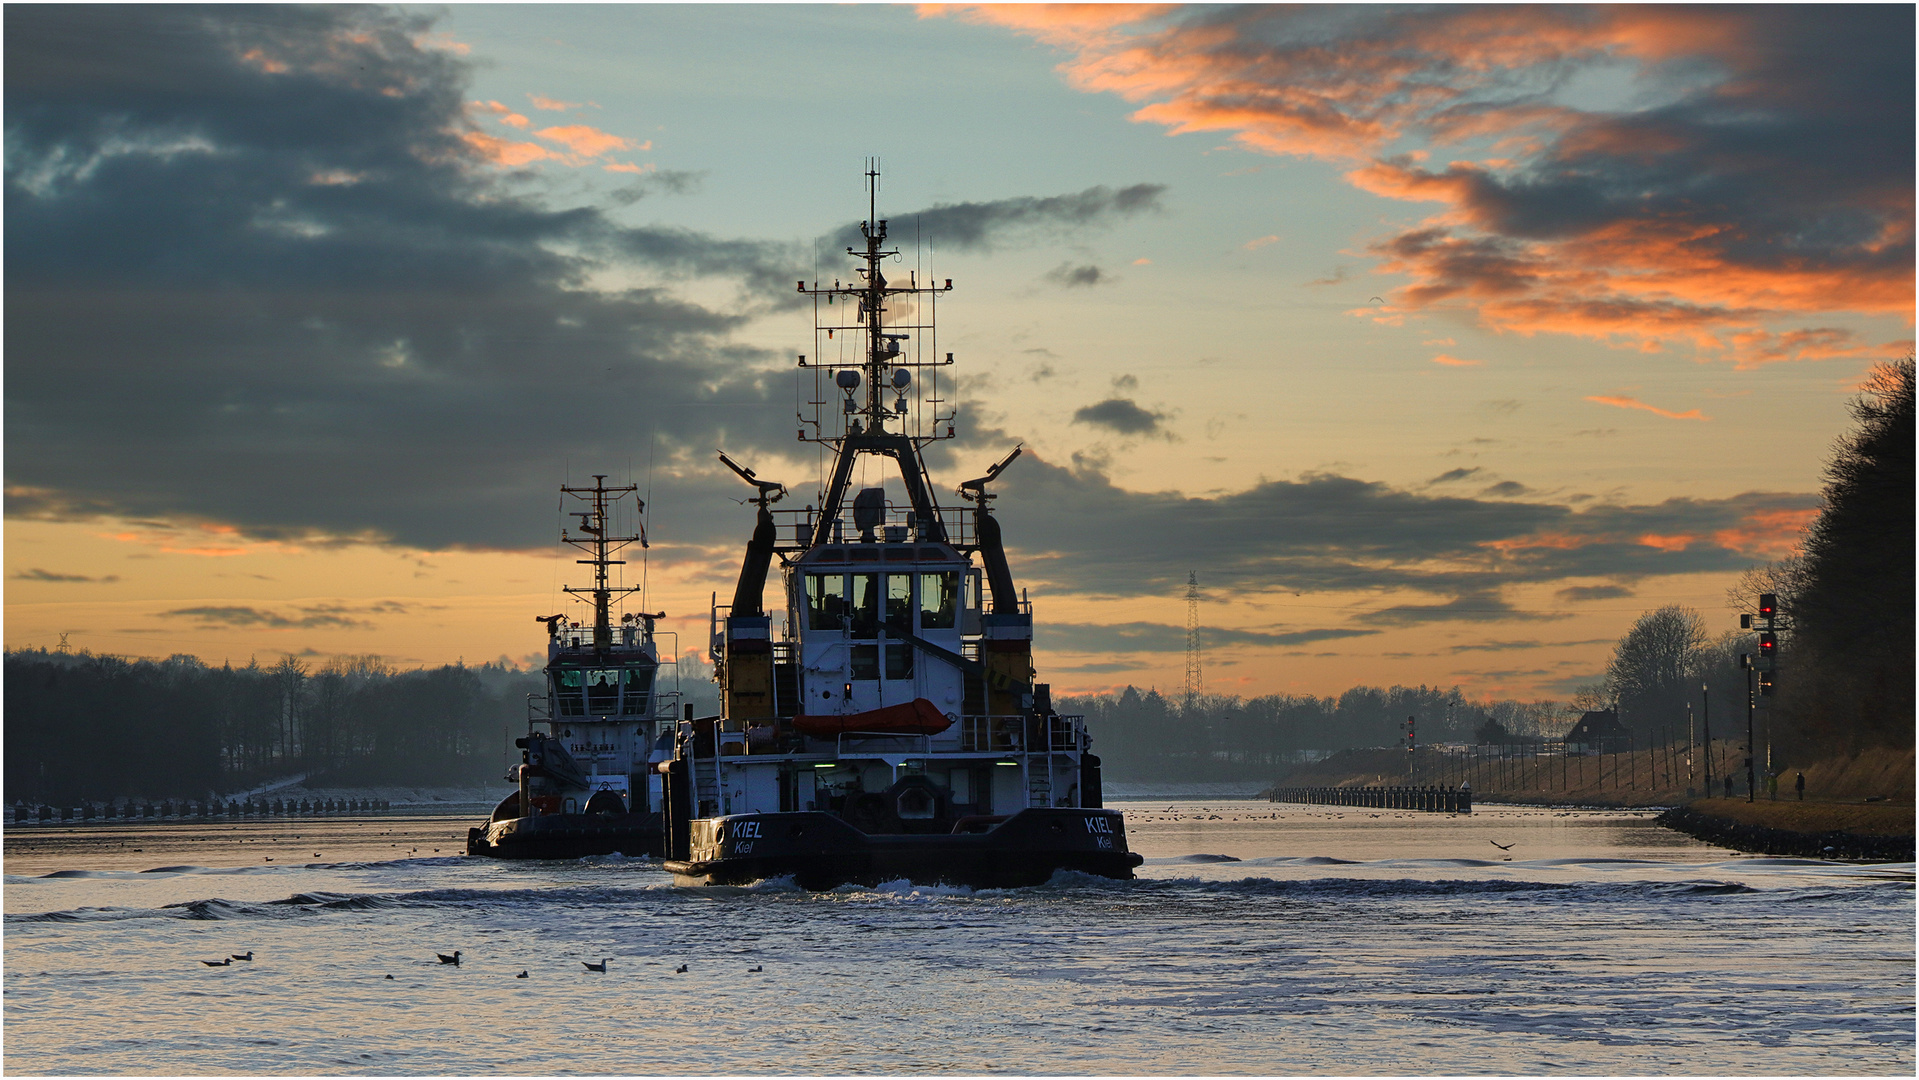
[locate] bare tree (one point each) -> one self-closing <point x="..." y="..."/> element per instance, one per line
<point x="1655" y="667"/>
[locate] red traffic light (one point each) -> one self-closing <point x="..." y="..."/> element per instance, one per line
<point x="1768" y="604"/>
<point x="1766" y="642"/>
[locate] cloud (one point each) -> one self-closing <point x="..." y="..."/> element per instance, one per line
<point x="1754" y="170"/>
<point x="1454" y="361"/>
<point x="1451" y="475"/>
<point x="191" y="320"/>
<point x="1076" y="531"/>
<point x="1505" y="489"/>
<point x="1255" y="245"/>
<point x="1581" y="593"/>
<point x="1120" y="415"/>
<point x="1634" y="403"/>
<point x="548" y="104"/>
<point x="1068" y="276"/>
<point x="37" y="574"/>
<point x="982" y="226"/>
<point x="588" y="141"/>
<point x="1163" y="637"/>
<point x="333" y="616"/>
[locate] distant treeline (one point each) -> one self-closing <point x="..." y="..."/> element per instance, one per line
<point x="1148" y="736"/>
<point x="84" y="727"/>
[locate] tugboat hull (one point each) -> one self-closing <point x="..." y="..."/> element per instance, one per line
<point x="567" y="836"/>
<point x="819" y="851"/>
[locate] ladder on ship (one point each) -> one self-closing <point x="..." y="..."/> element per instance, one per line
<point x="1039" y="781"/>
<point x="706" y="786"/>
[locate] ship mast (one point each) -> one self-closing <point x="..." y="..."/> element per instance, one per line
<point x="884" y="364"/>
<point x="596" y="542"/>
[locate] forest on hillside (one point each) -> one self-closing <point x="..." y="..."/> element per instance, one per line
<point x="85" y="727"/>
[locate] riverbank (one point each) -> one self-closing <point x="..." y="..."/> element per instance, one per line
<point x="1876" y="832"/>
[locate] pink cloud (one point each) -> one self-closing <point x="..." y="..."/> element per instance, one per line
<point x="1585" y="223"/>
<point x="1634" y="403"/>
<point x="540" y="101"/>
<point x="588" y="141"/>
<point x="1454" y="361"/>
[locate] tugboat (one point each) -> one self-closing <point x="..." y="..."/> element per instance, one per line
<point x="586" y="779"/>
<point x="892" y="729"/>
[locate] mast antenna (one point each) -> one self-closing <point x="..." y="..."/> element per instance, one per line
<point x="1192" y="642"/>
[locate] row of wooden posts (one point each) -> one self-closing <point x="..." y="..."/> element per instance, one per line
<point x="1436" y="799"/>
<point x="28" y="813"/>
<point x="1612" y="765"/>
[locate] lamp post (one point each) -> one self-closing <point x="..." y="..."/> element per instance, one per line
<point x="1705" y="733"/>
<point x="1746" y="662"/>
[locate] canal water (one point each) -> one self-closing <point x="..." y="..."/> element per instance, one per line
<point x="1258" y="939"/>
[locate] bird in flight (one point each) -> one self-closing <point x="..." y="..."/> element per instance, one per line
<point x="1502" y="847"/>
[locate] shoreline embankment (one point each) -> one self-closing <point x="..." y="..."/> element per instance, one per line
<point x="1858" y="806"/>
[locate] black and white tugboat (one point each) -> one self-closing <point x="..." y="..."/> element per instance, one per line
<point x="891" y="729"/>
<point x="586" y="779"/>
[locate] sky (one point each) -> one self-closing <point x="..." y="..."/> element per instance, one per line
<point x="1438" y="342"/>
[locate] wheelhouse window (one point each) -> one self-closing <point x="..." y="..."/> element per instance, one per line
<point x="602" y="691"/>
<point x="866" y="605"/>
<point x="899" y="603"/>
<point x="939" y="600"/>
<point x="566" y="690"/>
<point x="826" y="601"/>
<point x="639" y="683"/>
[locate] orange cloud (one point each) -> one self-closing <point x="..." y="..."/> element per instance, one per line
<point x="1768" y="534"/>
<point x="507" y="116"/>
<point x="1667" y="543"/>
<point x="541" y="101"/>
<point x="1255" y="245"/>
<point x="503" y="152"/>
<point x="1454" y="361"/>
<point x="1645" y="228"/>
<point x="627" y="167"/>
<point x="1634" y="403"/>
<point x="588" y="141"/>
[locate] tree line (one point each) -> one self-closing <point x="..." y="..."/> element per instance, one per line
<point x="1843" y="660"/>
<point x="1147" y="736"/>
<point x="84" y="727"/>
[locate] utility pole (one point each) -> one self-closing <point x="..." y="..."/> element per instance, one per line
<point x="1412" y="758"/>
<point x="1705" y="732"/>
<point x="1193" y="686"/>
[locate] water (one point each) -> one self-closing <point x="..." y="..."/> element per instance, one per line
<point x="1341" y="941"/>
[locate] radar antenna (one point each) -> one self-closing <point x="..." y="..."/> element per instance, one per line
<point x="597" y="543"/>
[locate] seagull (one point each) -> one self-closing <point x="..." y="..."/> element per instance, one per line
<point x="248" y="957"/>
<point x="753" y="969"/>
<point x="681" y="970"/>
<point x="1502" y="847"/>
<point x="1381" y="299"/>
<point x="389" y="976"/>
<point x="217" y="963"/>
<point x="601" y="966"/>
<point x="454" y="959"/>
<point x="521" y="975"/>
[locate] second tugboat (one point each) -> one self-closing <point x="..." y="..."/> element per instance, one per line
<point x="586" y="782"/>
<point x="893" y="729"/>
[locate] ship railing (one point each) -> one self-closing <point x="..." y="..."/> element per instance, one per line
<point x="794" y="528"/>
<point x="993" y="734"/>
<point x="539" y="710"/>
<point x="1067" y="733"/>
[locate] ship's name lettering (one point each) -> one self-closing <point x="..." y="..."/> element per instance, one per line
<point x="1099" y="825"/>
<point x="743" y="830"/>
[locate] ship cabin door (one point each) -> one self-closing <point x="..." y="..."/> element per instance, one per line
<point x="868" y="614"/>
